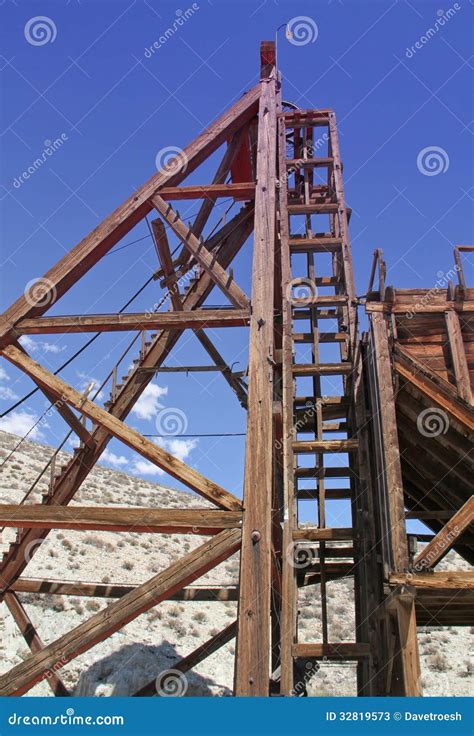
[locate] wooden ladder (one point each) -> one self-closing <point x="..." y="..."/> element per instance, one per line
<point x="315" y="298"/>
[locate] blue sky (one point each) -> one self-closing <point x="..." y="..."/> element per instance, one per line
<point x="114" y="107"/>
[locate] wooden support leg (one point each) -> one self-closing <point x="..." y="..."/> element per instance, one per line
<point x="406" y="673"/>
<point x="252" y="675"/>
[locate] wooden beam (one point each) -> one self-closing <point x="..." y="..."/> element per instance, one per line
<point x="166" y="260"/>
<point x="196" y="319"/>
<point x="252" y="675"/>
<point x="446" y="580"/>
<point x="338" y="651"/>
<point x="133" y="439"/>
<point x="116" y="519"/>
<point x="401" y="604"/>
<point x="242" y="190"/>
<point x="205" y="259"/>
<point x="118" y="590"/>
<point x="458" y="356"/>
<point x="21" y="678"/>
<point x="194" y="658"/>
<point x="33" y="640"/>
<point x="319" y="534"/>
<point x="391" y="451"/>
<point x="431" y="386"/>
<point x="235" y="383"/>
<point x="444" y="540"/>
<point x="58" y="280"/>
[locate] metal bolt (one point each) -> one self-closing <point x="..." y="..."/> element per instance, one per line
<point x="255" y="536"/>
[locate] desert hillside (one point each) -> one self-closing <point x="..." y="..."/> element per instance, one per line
<point x="156" y="640"/>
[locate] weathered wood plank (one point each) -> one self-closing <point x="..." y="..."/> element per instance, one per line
<point x="253" y="640"/>
<point x="458" y="356"/>
<point x="196" y="319"/>
<point x="116" y="519"/>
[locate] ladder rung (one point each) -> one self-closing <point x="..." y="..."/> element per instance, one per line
<point x="309" y="163"/>
<point x="339" y="472"/>
<point x="322" y="369"/>
<point x="309" y="446"/>
<point x="323" y="534"/>
<point x="316" y="313"/>
<point x="312" y="208"/>
<point x="330" y="494"/>
<point x="328" y="300"/>
<point x="336" y="650"/>
<point x="323" y="337"/>
<point x="301" y="118"/>
<point x="315" y="245"/>
<point x="306" y="402"/>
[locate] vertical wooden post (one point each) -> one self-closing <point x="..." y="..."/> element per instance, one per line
<point x="391" y="452"/>
<point x="405" y="680"/>
<point x="253" y="638"/>
<point x="458" y="356"/>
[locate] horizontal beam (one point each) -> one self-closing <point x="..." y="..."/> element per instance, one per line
<point x="21" y="678"/>
<point x="118" y="590"/>
<point x="196" y="319"/>
<point x="311" y="534"/>
<point x="242" y="190"/>
<point x="133" y="439"/>
<point x="311" y="446"/>
<point x="435" y="580"/>
<point x="115" y="519"/>
<point x="340" y="651"/>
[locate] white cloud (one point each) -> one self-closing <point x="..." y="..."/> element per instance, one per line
<point x="4" y="375"/>
<point x="179" y="448"/>
<point x="20" y="422"/>
<point x="148" y="404"/>
<point x="144" y="467"/>
<point x="7" y="394"/>
<point x="35" y="346"/>
<point x="111" y="458"/>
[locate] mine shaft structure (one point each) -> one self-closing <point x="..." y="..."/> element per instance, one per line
<point x="325" y="406"/>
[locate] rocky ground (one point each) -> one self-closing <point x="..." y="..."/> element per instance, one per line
<point x="156" y="640"/>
